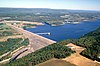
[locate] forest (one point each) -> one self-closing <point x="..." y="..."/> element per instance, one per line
<point x="12" y="44"/>
<point x="44" y="54"/>
<point x="90" y="41"/>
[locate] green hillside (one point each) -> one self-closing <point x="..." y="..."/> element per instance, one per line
<point x="44" y="54"/>
<point x="91" y="41"/>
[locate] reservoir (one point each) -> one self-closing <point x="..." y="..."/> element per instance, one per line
<point x="66" y="31"/>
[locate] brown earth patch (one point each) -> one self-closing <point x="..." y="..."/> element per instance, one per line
<point x="78" y="59"/>
<point x="55" y="62"/>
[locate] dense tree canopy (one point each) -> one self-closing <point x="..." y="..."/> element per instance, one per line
<point x="51" y="51"/>
<point x="91" y="41"/>
<point x="11" y="44"/>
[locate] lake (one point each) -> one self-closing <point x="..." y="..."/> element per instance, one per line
<point x="66" y="31"/>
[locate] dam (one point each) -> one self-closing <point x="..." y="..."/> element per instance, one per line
<point x="35" y="42"/>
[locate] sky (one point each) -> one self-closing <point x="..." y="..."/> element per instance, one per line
<point x="53" y="4"/>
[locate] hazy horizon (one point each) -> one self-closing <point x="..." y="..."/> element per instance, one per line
<point x="52" y="4"/>
<point x="49" y="8"/>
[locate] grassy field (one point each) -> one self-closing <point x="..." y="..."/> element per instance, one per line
<point x="4" y="27"/>
<point x="6" y="31"/>
<point x="55" y="62"/>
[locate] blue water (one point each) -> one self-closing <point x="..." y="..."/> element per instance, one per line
<point x="66" y="31"/>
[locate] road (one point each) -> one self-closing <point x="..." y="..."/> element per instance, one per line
<point x="35" y="42"/>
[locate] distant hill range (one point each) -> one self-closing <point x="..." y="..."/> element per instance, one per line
<point x="36" y="10"/>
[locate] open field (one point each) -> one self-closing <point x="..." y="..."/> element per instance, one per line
<point x="23" y="24"/>
<point x="78" y="59"/>
<point x="26" y="22"/>
<point x="3" y="39"/>
<point x="55" y="62"/>
<point x="4" y="27"/>
<point x="6" y="32"/>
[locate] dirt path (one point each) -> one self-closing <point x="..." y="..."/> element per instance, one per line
<point x="78" y="59"/>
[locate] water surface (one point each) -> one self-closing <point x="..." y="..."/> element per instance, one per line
<point x="66" y="31"/>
